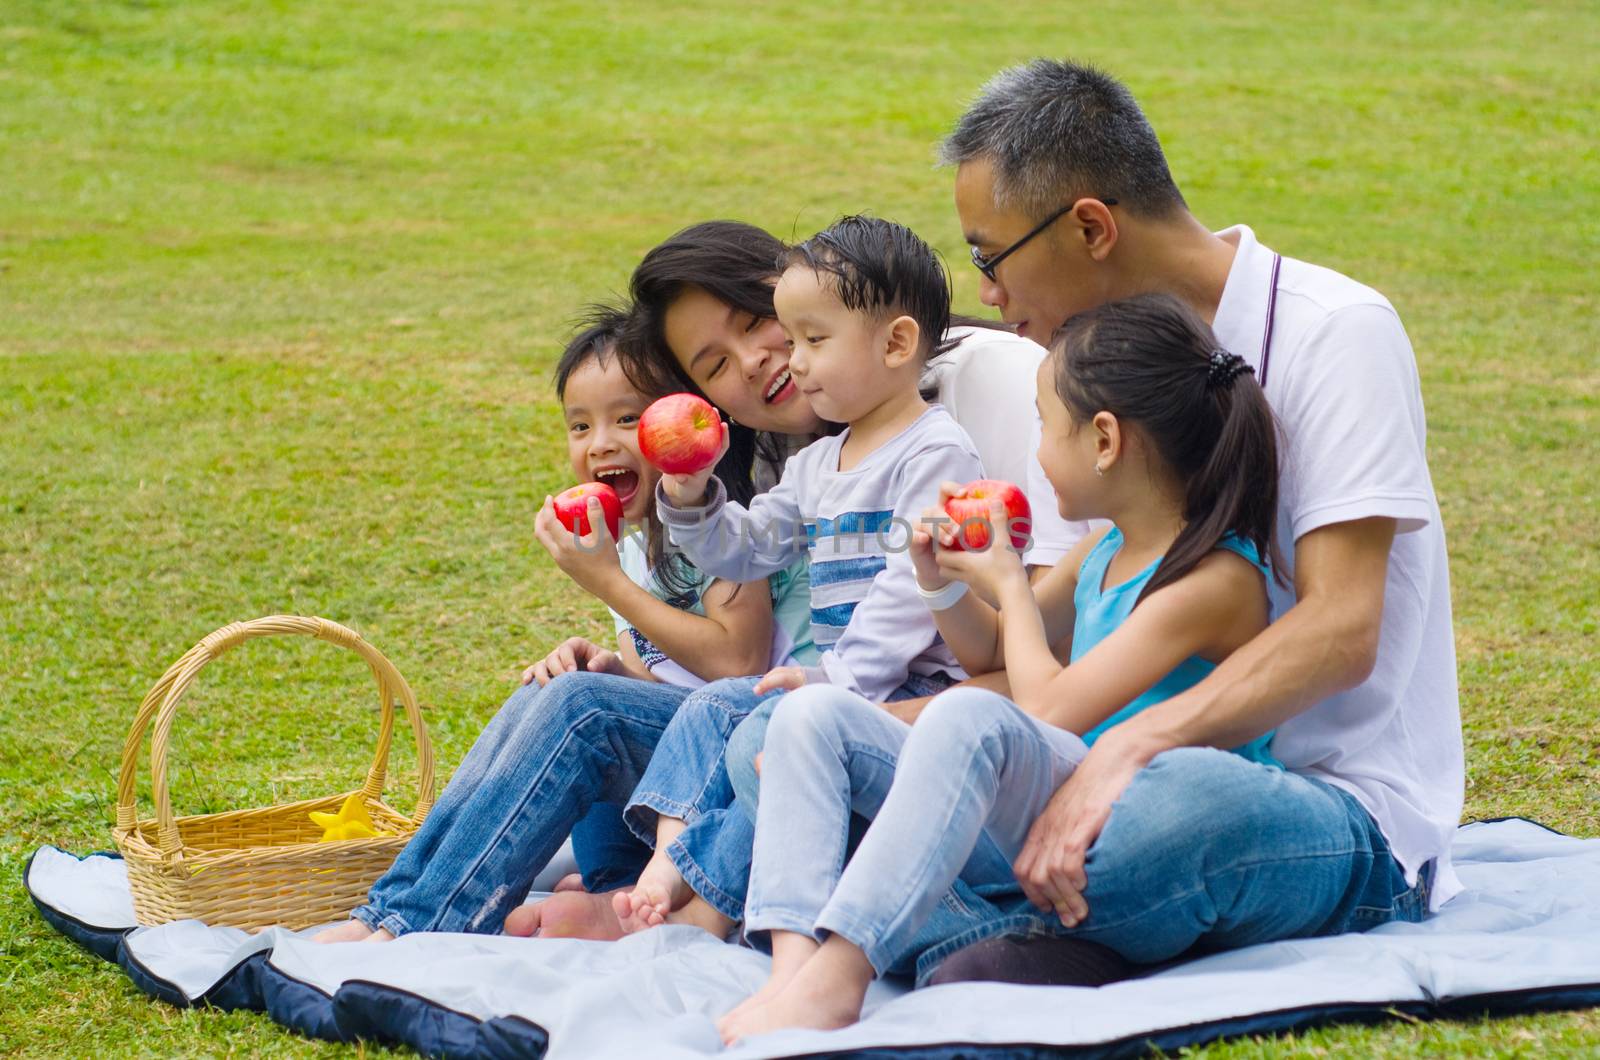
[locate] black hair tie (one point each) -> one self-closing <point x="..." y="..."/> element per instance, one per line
<point x="1225" y="368"/>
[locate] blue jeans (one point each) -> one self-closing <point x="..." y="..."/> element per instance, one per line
<point x="608" y="854"/>
<point x="1204" y="850"/>
<point x="751" y="735"/>
<point x="689" y="779"/>
<point x="535" y="770"/>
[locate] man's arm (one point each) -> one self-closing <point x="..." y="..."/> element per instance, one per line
<point x="1326" y="643"/>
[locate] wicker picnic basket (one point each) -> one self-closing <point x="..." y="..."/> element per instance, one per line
<point x="262" y="867"/>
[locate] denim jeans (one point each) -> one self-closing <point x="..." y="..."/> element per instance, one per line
<point x="608" y="854"/>
<point x="540" y="764"/>
<point x="751" y="735"/>
<point x="689" y="779"/>
<point x="1204" y="850"/>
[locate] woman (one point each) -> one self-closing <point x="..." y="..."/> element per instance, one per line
<point x="702" y="321"/>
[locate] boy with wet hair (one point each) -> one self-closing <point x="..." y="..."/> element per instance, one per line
<point x="864" y="304"/>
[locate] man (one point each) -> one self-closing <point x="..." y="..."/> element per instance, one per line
<point x="1157" y="845"/>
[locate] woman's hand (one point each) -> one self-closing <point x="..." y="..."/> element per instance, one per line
<point x="689" y="491"/>
<point x="786" y="678"/>
<point x="990" y="571"/>
<point x="590" y="560"/>
<point x="575" y="655"/>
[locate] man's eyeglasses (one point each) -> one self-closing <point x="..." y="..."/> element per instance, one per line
<point x="987" y="265"/>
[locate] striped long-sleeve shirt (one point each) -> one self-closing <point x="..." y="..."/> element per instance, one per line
<point x="856" y="525"/>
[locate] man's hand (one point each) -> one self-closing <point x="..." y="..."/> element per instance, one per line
<point x="573" y="656"/>
<point x="787" y="678"/>
<point x="1050" y="867"/>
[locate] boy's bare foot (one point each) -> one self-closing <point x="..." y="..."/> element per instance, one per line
<point x="825" y="994"/>
<point x="659" y="892"/>
<point x="567" y="915"/>
<point x="349" y="931"/>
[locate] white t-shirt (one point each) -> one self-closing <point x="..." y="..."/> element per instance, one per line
<point x="988" y="383"/>
<point x="1342" y="379"/>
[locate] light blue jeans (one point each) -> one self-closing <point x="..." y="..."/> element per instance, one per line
<point x="689" y="779"/>
<point x="1204" y="850"/>
<point x="535" y="770"/>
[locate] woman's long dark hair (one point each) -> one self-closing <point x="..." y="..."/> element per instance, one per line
<point x="1152" y="363"/>
<point x="732" y="262"/>
<point x="599" y="330"/>
<point x="737" y="264"/>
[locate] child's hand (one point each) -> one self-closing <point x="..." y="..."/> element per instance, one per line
<point x="934" y="532"/>
<point x="689" y="491"/>
<point x="987" y="571"/>
<point x="590" y="560"/>
<point x="575" y="655"/>
<point x="786" y="678"/>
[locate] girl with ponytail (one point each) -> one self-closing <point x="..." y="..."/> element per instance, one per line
<point x="1148" y="424"/>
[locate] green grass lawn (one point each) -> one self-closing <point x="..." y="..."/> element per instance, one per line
<point x="281" y="286"/>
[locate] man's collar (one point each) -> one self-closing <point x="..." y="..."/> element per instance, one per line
<point x="1241" y="319"/>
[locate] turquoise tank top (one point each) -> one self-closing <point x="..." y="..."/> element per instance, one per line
<point x="1102" y="610"/>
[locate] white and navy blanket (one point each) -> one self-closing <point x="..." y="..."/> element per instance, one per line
<point x="1525" y="936"/>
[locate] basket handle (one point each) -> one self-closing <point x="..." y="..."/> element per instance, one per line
<point x="162" y="703"/>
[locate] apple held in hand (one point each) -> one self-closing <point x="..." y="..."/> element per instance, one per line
<point x="971" y="514"/>
<point x="680" y="434"/>
<point x="572" y="508"/>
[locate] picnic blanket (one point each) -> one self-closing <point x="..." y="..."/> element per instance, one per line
<point x="1524" y="936"/>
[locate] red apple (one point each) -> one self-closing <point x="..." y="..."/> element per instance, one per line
<point x="680" y="434"/>
<point x="971" y="514"/>
<point x="572" y="508"/>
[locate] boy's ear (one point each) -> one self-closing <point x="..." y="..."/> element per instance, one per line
<point x="902" y="341"/>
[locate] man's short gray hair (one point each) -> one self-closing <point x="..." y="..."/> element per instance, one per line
<point x="1059" y="131"/>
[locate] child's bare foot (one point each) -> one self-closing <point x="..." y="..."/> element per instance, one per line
<point x="567" y="915"/>
<point x="349" y="931"/>
<point x="825" y="994"/>
<point x="572" y="881"/>
<point x="790" y="951"/>
<point x="659" y="892"/>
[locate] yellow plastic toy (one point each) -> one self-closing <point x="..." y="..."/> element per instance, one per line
<point x="351" y="822"/>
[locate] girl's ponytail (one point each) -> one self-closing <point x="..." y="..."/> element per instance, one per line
<point x="1151" y="362"/>
<point x="1236" y="488"/>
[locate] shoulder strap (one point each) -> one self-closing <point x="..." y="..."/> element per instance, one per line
<point x="1092" y="571"/>
<point x="1272" y="311"/>
<point x="1238" y="545"/>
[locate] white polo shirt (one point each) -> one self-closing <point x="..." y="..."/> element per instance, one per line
<point x="1342" y="379"/>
